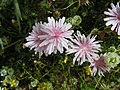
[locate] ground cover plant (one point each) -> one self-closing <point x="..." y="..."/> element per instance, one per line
<point x="60" y="44"/>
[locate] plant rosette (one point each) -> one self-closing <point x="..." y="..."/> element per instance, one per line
<point x="112" y="59"/>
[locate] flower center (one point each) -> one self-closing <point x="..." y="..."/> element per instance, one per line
<point x="100" y="62"/>
<point x="85" y="47"/>
<point x="118" y="17"/>
<point x="57" y="32"/>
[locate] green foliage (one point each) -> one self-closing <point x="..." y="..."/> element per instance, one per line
<point x="8" y="78"/>
<point x="112" y="59"/>
<point x="17" y="12"/>
<point x="75" y="21"/>
<point x="45" y="86"/>
<point x="25" y="70"/>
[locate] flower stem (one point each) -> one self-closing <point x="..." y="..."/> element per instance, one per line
<point x="69" y="5"/>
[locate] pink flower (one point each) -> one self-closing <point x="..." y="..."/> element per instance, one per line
<point x="57" y="35"/>
<point x="114" y="17"/>
<point x="33" y="40"/>
<point x="99" y="66"/>
<point x="85" y="48"/>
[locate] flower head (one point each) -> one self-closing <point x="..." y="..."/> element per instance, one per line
<point x="114" y="17"/>
<point x="57" y="35"/>
<point x="14" y="83"/>
<point x="33" y="40"/>
<point x="112" y="59"/>
<point x="88" y="70"/>
<point x="86" y="48"/>
<point x="99" y="66"/>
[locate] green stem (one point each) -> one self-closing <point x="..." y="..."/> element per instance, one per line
<point x="97" y="82"/>
<point x="26" y="71"/>
<point x="1" y="43"/>
<point x="69" y="5"/>
<point x="83" y="30"/>
<point x="78" y="5"/>
<point x="10" y="45"/>
<point x="44" y="75"/>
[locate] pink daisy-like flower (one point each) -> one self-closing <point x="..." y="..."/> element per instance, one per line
<point x="85" y="48"/>
<point x="57" y="35"/>
<point x="33" y="40"/>
<point x="114" y="17"/>
<point x="99" y="66"/>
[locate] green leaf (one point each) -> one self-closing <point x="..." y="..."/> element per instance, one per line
<point x="45" y="5"/>
<point x="76" y="20"/>
<point x="17" y="12"/>
<point x="1" y="43"/>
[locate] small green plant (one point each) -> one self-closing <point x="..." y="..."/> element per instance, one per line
<point x="8" y="78"/>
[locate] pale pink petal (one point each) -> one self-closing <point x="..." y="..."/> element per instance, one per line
<point x="43" y="43"/>
<point x="33" y="40"/>
<point x="119" y="30"/>
<point x="41" y="37"/>
<point x="85" y="48"/>
<point x="114" y="26"/>
<point x="108" y="13"/>
<point x="114" y="17"/>
<point x="60" y="48"/>
<point x="110" y="22"/>
<point x="118" y="5"/>
<point x="99" y="66"/>
<point x="109" y="18"/>
<point x="58" y="35"/>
